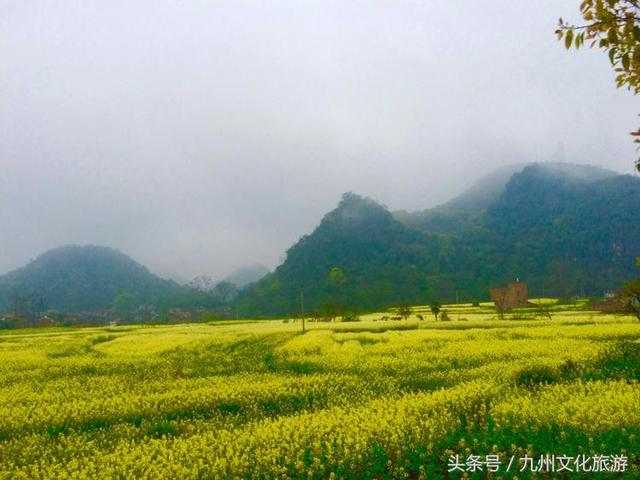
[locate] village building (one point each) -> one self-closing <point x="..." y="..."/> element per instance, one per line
<point x="611" y="303"/>
<point x="514" y="295"/>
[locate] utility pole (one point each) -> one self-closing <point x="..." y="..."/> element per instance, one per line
<point x="302" y="308"/>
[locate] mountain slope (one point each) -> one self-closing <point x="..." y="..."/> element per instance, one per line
<point x="74" y="278"/>
<point x="380" y="258"/>
<point x="565" y="229"/>
<point x="572" y="236"/>
<point x="464" y="211"/>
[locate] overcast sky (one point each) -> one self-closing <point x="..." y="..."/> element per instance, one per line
<point x="199" y="136"/>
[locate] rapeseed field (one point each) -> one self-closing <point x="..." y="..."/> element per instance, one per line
<point x="370" y="399"/>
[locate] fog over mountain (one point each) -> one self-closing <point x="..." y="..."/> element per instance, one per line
<point x="201" y="136"/>
<point x="244" y="276"/>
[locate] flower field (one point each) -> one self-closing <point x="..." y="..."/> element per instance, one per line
<point x="368" y="399"/>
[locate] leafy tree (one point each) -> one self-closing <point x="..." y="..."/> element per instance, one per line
<point x="225" y="291"/>
<point x="351" y="316"/>
<point x="124" y="304"/>
<point x="337" y="277"/>
<point x="435" y="309"/>
<point x="337" y="280"/>
<point x="405" y="311"/>
<point x="332" y="309"/>
<point x="164" y="317"/>
<point x="631" y="294"/>
<point x="613" y="26"/>
<point x="499" y="305"/>
<point x="631" y="297"/>
<point x="543" y="311"/>
<point x="28" y="307"/>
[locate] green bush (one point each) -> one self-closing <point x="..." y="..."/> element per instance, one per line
<point x="536" y="375"/>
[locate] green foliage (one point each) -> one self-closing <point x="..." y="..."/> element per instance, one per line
<point x="405" y="311"/>
<point x="75" y="278"/>
<point x="435" y="308"/>
<point x="225" y="291"/>
<point x="536" y="375"/>
<point x="337" y="277"/>
<point x="543" y="311"/>
<point x="359" y="256"/>
<point x="558" y="233"/>
<point x="351" y="317"/>
<point x="621" y="360"/>
<point x="331" y="309"/>
<point x="161" y="429"/>
<point x="124" y="304"/>
<point x="631" y="296"/>
<point x="613" y="26"/>
<point x="565" y="230"/>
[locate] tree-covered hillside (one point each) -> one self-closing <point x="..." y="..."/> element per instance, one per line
<point x="564" y="229"/>
<point x="378" y="259"/>
<point x="568" y="236"/>
<point x="464" y="212"/>
<point x="75" y="278"/>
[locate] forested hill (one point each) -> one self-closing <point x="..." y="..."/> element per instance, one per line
<point x="75" y="278"/>
<point x="380" y="259"/>
<point x="565" y="229"/>
<point x="461" y="213"/>
<point x="569" y="236"/>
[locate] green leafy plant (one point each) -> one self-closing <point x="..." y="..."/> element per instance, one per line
<point x="613" y="26"/>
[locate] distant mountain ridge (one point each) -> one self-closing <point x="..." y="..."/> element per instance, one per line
<point x="462" y="212"/>
<point x="488" y="189"/>
<point x="76" y="278"/>
<point x="243" y="276"/>
<point x="565" y="229"/>
<point x="362" y="238"/>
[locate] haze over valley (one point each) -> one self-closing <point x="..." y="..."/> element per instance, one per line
<point x="388" y="239"/>
<point x="200" y="138"/>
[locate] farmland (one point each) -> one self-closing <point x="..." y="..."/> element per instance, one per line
<point x="374" y="398"/>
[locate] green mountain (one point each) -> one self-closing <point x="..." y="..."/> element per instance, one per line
<point x="487" y="190"/>
<point x="78" y="278"/>
<point x="465" y="211"/>
<point x="381" y="259"/>
<point x="565" y="229"/>
<point x="570" y="234"/>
